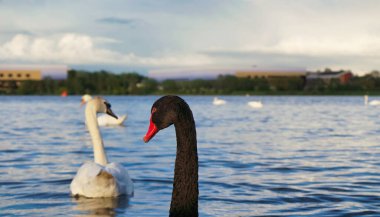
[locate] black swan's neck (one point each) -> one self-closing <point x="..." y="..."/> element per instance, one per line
<point x="185" y="187"/>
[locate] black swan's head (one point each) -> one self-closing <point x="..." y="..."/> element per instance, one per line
<point x="165" y="111"/>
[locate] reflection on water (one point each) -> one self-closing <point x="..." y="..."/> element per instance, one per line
<point x="296" y="156"/>
<point x="99" y="206"/>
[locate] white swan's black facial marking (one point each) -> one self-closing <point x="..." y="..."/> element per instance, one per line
<point x="108" y="105"/>
<point x="108" y="109"/>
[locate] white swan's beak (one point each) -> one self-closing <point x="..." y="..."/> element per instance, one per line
<point x="152" y="130"/>
<point x="110" y="112"/>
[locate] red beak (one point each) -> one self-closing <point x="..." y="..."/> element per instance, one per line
<point x="151" y="131"/>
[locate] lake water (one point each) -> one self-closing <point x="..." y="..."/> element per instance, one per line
<point x="297" y="156"/>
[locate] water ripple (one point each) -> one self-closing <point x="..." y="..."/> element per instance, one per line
<point x="297" y="156"/>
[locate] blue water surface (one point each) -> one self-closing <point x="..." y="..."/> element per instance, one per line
<point x="296" y="156"/>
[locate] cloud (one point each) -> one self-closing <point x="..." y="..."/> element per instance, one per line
<point x="71" y="48"/>
<point x="15" y="32"/>
<point x="312" y="34"/>
<point x="358" y="63"/>
<point x="153" y="34"/>
<point x="358" y="44"/>
<point x="116" y="20"/>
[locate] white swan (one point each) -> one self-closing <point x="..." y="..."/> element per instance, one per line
<point x="372" y="102"/>
<point x="255" y="104"/>
<point x="100" y="178"/>
<point x="105" y="120"/>
<point x="218" y="101"/>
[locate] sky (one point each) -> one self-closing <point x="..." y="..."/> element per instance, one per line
<point x="145" y="35"/>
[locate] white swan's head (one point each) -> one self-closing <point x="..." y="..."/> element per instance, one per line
<point x="101" y="106"/>
<point x="85" y="99"/>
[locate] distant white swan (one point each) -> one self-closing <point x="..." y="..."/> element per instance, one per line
<point x="255" y="104"/>
<point x="100" y="178"/>
<point x="218" y="101"/>
<point x="372" y="102"/>
<point x="105" y="120"/>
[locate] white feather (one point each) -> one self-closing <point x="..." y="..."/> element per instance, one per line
<point x="218" y="101"/>
<point x="100" y="178"/>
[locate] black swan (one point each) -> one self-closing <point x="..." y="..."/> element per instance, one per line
<point x="170" y="110"/>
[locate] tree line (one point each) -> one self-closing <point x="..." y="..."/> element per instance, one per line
<point x="103" y="82"/>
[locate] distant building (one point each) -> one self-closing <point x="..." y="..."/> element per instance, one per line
<point x="188" y="73"/>
<point x="11" y="76"/>
<point x="213" y="73"/>
<point x="270" y="73"/>
<point x="278" y="79"/>
<point x="19" y="75"/>
<point x="56" y="72"/>
<point x="343" y="76"/>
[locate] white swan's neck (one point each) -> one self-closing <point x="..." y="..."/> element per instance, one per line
<point x="97" y="141"/>
<point x="365" y="100"/>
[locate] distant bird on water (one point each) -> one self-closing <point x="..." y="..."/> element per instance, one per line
<point x="372" y="102"/>
<point x="255" y="104"/>
<point x="218" y="101"/>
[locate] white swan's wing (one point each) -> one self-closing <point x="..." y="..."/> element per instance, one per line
<point x="124" y="181"/>
<point x="218" y="101"/>
<point x="374" y="102"/>
<point x="106" y="120"/>
<point x="121" y="119"/>
<point x="92" y="180"/>
<point x="255" y="104"/>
